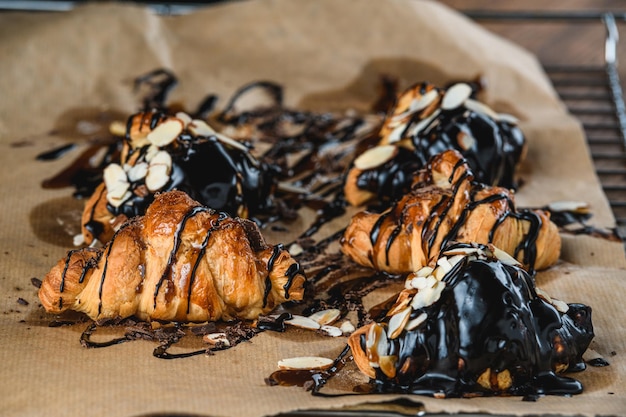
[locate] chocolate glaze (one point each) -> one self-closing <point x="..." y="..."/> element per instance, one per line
<point x="489" y="316"/>
<point x="496" y="151"/>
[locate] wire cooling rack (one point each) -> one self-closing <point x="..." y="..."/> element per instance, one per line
<point x="593" y="94"/>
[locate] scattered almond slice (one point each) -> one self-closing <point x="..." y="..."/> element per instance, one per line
<point x="303" y="322"/>
<point x="326" y="316"/>
<point x="332" y="331"/>
<point x="305" y="362"/>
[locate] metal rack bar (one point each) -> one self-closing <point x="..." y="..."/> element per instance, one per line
<point x="592" y="93"/>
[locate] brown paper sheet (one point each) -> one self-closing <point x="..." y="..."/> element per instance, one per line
<point x="328" y="54"/>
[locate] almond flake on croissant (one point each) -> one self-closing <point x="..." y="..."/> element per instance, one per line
<point x="446" y="205"/>
<point x="180" y="262"/>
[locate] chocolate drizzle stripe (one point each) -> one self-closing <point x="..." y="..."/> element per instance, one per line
<point x="106" y="264"/>
<point x="177" y="239"/>
<point x="214" y="226"/>
<point x="270" y="267"/>
<point x="293" y="270"/>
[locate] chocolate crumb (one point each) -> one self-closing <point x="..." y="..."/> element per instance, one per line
<point x="36" y="282"/>
<point x="21" y="301"/>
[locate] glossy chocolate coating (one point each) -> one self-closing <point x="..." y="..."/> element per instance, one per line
<point x="496" y="149"/>
<point x="489" y="317"/>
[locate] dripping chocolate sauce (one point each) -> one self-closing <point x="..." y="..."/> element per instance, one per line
<point x="519" y="332"/>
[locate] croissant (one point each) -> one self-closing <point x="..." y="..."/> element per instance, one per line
<point x="162" y="152"/>
<point x="425" y="121"/>
<point x="444" y="206"/>
<point x="474" y="325"/>
<point x="180" y="262"/>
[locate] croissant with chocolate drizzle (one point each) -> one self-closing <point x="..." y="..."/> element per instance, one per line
<point x="424" y="121"/>
<point x="474" y="325"/>
<point x="446" y="205"/>
<point x="180" y="262"/>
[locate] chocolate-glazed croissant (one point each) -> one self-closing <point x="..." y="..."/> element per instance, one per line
<point x="425" y="121"/>
<point x="447" y="205"/>
<point x="182" y="262"/>
<point x="162" y="152"/>
<point x="474" y="325"/>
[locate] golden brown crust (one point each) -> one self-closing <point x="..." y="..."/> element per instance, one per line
<point x="447" y="206"/>
<point x="181" y="262"/>
<point x="95" y="210"/>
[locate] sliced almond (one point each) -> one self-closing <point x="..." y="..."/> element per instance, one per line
<point x="397" y="322"/>
<point x="418" y="104"/>
<point x="326" y="316"/>
<point x="455" y="259"/>
<point x="419" y="283"/>
<point x="415" y="323"/>
<point x="157" y="177"/>
<point x="295" y="249"/>
<point x="231" y="142"/>
<point x="118" y="201"/>
<point x="183" y="117"/>
<point x="332" y="331"/>
<point x="571" y="206"/>
<point x="440" y="272"/>
<point x="377" y="344"/>
<point x="137" y="172"/>
<point x="424" y="123"/>
<point x="375" y="157"/>
<point x="347" y="327"/>
<point x="455" y="96"/>
<point x="303" y="322"/>
<point x="424" y="271"/>
<point x="117" y="128"/>
<point x="465" y="250"/>
<point x="543" y="295"/>
<point x="166" y="132"/>
<point x="115" y="180"/>
<point x="396" y="134"/>
<point x="305" y="362"/>
<point x="481" y="108"/>
<point x="200" y="128"/>
<point x="387" y="364"/>
<point x="161" y="158"/>
<point x="151" y="152"/>
<point x="561" y="306"/>
<point x="465" y="141"/>
<point x="505" y="258"/>
<point x="445" y="264"/>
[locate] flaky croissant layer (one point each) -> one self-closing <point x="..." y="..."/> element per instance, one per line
<point x="446" y="205"/>
<point x="180" y="262"/>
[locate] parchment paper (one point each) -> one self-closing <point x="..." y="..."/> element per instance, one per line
<point x="328" y="55"/>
